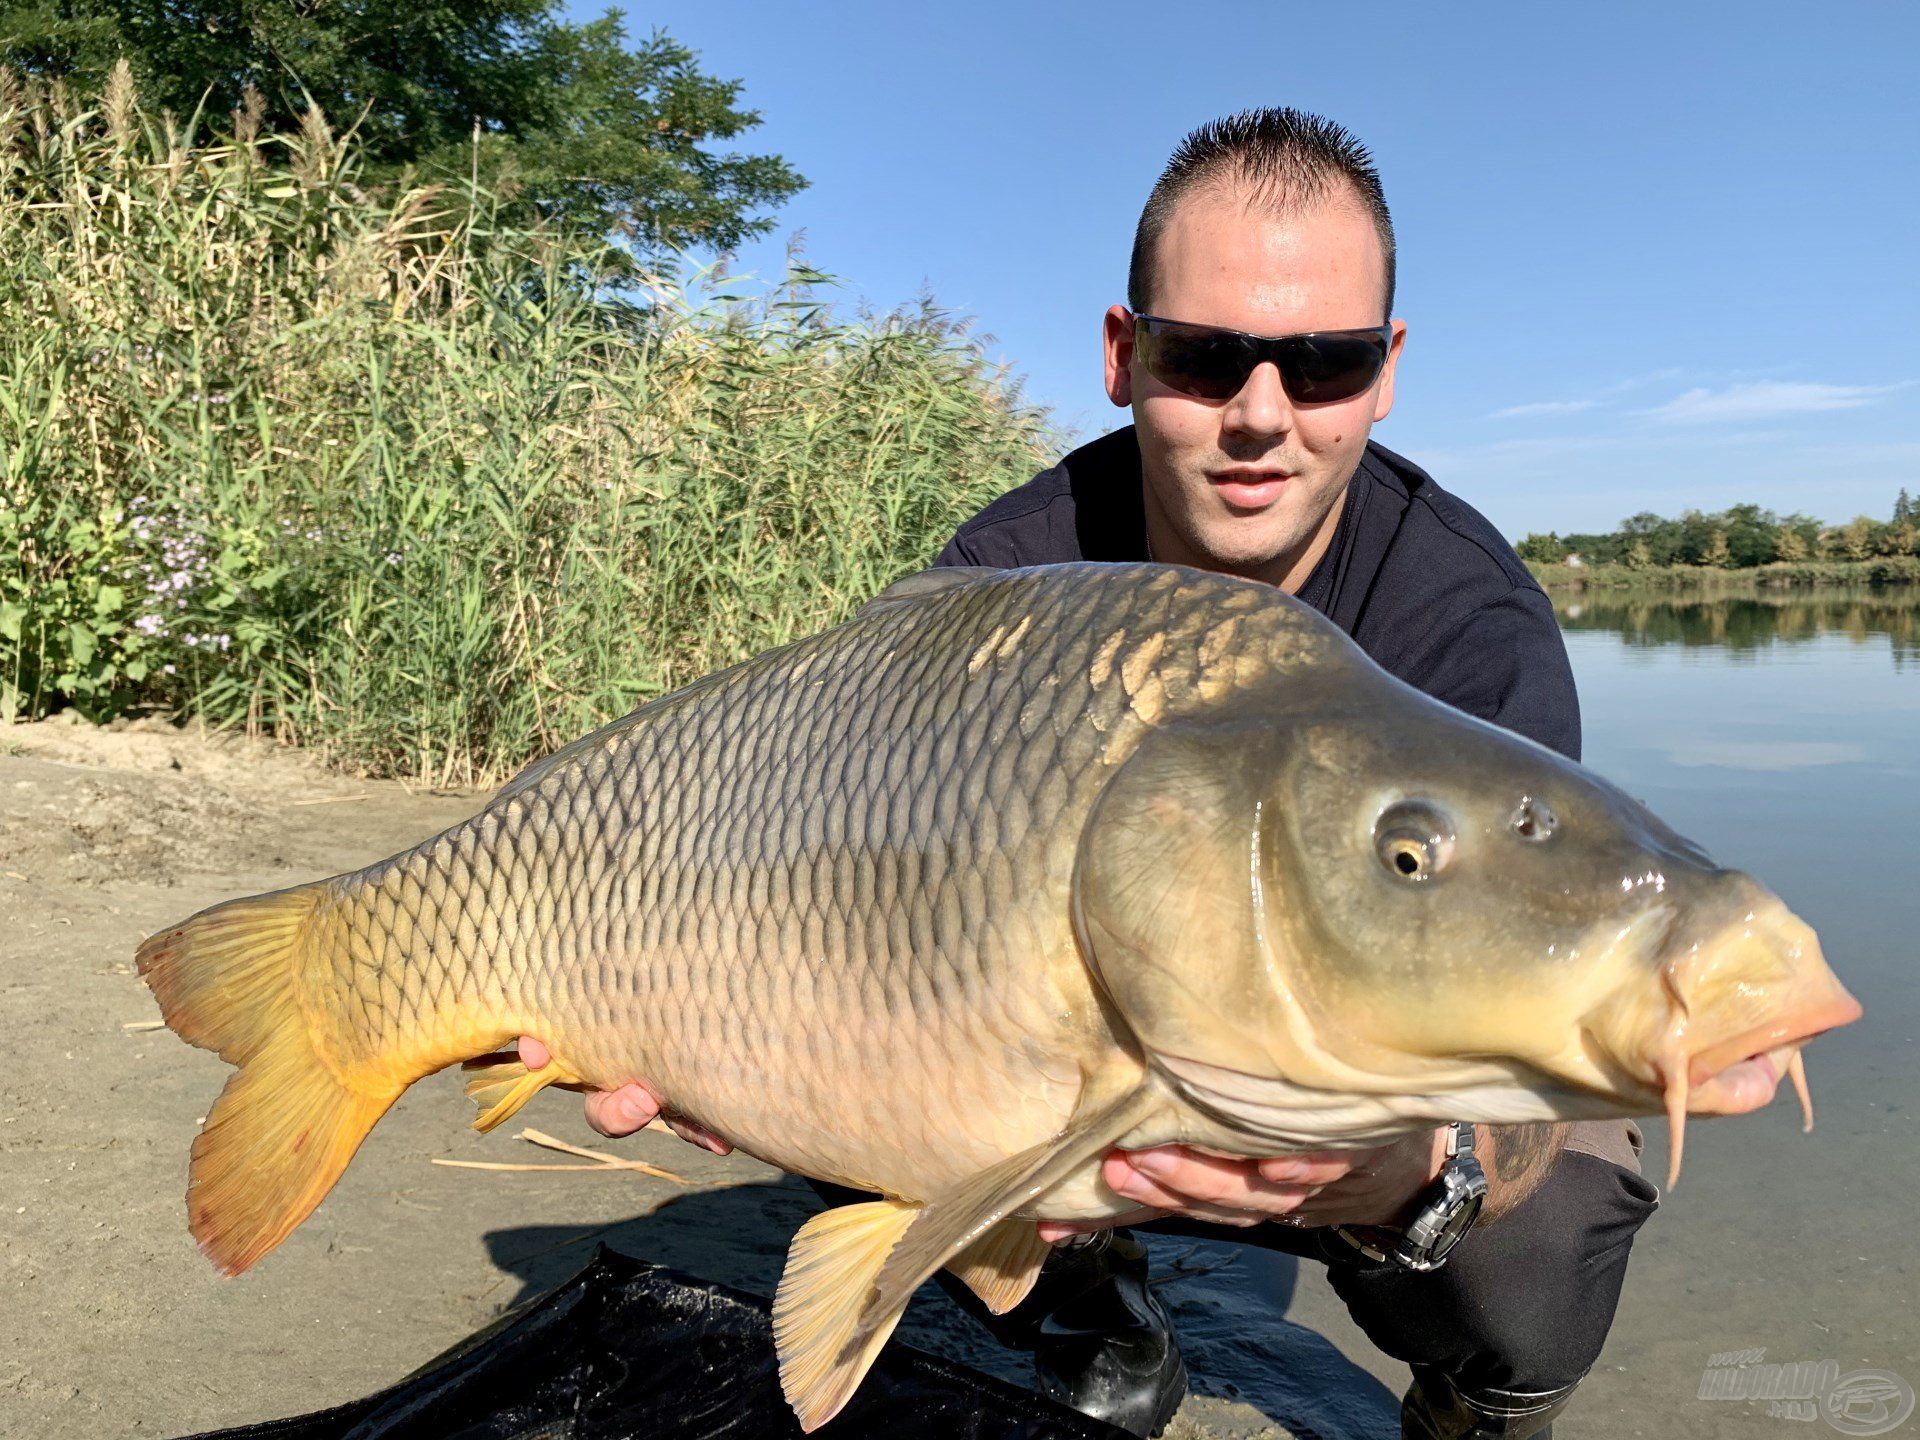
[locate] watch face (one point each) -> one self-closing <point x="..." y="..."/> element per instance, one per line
<point x="1457" y="1222"/>
<point x="1438" y="1228"/>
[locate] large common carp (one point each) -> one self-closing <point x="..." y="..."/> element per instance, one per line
<point x="1012" y="867"/>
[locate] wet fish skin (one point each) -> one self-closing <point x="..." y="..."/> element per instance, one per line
<point x="944" y="902"/>
<point x="856" y="847"/>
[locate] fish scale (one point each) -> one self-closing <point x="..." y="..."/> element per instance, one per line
<point x="941" y="903"/>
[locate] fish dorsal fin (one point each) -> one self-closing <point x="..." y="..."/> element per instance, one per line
<point x="923" y="583"/>
<point x="962" y="1217"/>
<point x="1001" y="1266"/>
<point x="832" y="1263"/>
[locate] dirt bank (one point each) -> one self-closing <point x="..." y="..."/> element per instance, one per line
<point x="114" y="1325"/>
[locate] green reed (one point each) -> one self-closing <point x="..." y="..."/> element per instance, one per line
<point x="372" y="473"/>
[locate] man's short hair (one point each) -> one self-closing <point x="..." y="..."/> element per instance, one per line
<point x="1283" y="158"/>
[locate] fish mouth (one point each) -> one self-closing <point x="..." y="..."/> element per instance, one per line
<point x="1725" y="1074"/>
<point x="1743" y="1073"/>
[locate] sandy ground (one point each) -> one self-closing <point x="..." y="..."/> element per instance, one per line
<point x="112" y="1324"/>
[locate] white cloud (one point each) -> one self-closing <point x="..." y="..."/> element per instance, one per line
<point x="1537" y="408"/>
<point x="1764" y="399"/>
<point x="1542" y="407"/>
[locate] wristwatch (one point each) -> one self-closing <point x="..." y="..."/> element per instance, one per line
<point x="1447" y="1211"/>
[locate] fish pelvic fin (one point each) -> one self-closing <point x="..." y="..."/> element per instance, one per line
<point x="1002" y="1265"/>
<point x="501" y="1084"/>
<point x="288" y="1122"/>
<point x="830" y="1267"/>
<point x="961" y="1218"/>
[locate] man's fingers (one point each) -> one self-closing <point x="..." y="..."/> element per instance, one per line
<point x="1175" y="1178"/>
<point x="694" y="1135"/>
<point x="615" y="1113"/>
<point x="534" y="1053"/>
<point x="1307" y="1169"/>
<point x="1202" y="1193"/>
<point x="1054" y="1231"/>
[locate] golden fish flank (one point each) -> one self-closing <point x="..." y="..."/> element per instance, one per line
<point x="1043" y="861"/>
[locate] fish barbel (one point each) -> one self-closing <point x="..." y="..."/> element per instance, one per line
<point x="1009" y="869"/>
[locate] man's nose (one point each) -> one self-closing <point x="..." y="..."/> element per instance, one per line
<point x="1261" y="408"/>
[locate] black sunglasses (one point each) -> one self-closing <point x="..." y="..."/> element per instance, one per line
<point x="1210" y="362"/>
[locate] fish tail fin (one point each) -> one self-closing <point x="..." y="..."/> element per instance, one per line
<point x="288" y="1122"/>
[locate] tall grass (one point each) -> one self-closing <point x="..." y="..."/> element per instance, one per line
<point x="370" y="473"/>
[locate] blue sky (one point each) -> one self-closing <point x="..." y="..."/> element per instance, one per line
<point x="1652" y="255"/>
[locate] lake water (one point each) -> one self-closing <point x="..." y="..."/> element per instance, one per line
<point x="1784" y="736"/>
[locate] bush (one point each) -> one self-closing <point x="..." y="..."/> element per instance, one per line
<point x="370" y="473"/>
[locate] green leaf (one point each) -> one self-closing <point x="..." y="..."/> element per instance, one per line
<point x="10" y="617"/>
<point x="81" y="643"/>
<point x="109" y="600"/>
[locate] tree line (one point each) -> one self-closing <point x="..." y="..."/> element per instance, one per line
<point x="1738" y="538"/>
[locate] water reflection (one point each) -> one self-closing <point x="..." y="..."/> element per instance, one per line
<point x="1746" y="625"/>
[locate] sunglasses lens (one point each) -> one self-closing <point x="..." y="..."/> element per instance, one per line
<point x="1323" y="368"/>
<point x="1208" y="364"/>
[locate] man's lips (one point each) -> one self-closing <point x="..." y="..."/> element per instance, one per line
<point x="1249" y="489"/>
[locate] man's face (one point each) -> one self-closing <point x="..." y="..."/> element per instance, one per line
<point x="1250" y="485"/>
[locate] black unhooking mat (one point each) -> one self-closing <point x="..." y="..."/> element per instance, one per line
<point x="631" y="1351"/>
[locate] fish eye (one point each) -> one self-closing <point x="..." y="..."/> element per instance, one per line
<point x="1533" y="820"/>
<point x="1414" y="840"/>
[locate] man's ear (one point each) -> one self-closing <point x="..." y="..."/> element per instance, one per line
<point x="1116" y="340"/>
<point x="1383" y="396"/>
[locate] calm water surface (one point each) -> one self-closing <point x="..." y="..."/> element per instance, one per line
<point x="1784" y="735"/>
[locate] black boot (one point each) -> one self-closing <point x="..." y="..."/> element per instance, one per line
<point x="1105" y="1345"/>
<point x="1434" y="1409"/>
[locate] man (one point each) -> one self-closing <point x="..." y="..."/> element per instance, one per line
<point x="1254" y="459"/>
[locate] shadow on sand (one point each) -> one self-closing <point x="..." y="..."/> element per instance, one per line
<point x="1228" y="1301"/>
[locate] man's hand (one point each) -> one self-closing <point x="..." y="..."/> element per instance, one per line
<point x="1343" y="1187"/>
<point x="632" y="1107"/>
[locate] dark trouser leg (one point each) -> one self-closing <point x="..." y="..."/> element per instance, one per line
<point x="1500" y="1335"/>
<point x="1101" y="1340"/>
<point x="1516" y="1317"/>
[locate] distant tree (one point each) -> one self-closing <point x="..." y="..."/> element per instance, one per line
<point x="1852" y="541"/>
<point x="1660" y="536"/>
<point x="1639" y="555"/>
<point x="568" y="118"/>
<point x="1904" y="511"/>
<point x="1719" y="551"/>
<point x="1902" y="539"/>
<point x="1790" y="544"/>
<point x="1696" y="535"/>
<point x="1542" y="549"/>
<point x="1750" y="533"/>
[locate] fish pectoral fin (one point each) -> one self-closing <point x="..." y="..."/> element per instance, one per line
<point x="501" y="1085"/>
<point x="961" y="1218"/>
<point x="830" y="1269"/>
<point x="1001" y="1266"/>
